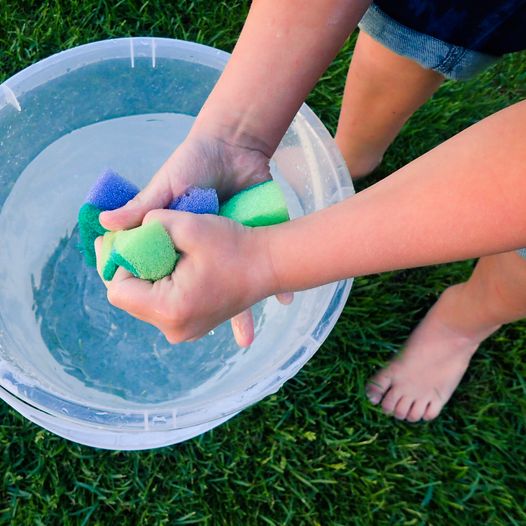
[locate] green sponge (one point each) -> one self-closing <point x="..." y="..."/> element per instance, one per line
<point x="260" y="205"/>
<point x="89" y="230"/>
<point x="146" y="251"/>
<point x="107" y="264"/>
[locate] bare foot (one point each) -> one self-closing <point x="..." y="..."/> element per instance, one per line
<point x="418" y="383"/>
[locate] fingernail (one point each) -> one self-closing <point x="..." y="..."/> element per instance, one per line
<point x="287" y="297"/>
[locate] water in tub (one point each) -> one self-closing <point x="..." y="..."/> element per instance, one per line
<point x="54" y="307"/>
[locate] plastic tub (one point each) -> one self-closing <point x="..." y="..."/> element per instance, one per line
<point x="68" y="360"/>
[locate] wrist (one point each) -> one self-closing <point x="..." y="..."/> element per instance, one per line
<point x="264" y="273"/>
<point x="233" y="127"/>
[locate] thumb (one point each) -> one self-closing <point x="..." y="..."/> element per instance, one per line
<point x="157" y="194"/>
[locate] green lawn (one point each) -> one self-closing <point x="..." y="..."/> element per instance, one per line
<point x="315" y="453"/>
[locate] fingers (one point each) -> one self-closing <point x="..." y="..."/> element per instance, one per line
<point x="183" y="227"/>
<point x="131" y="294"/>
<point x="156" y="303"/>
<point x="157" y="194"/>
<point x="243" y="323"/>
<point x="166" y="217"/>
<point x="243" y="328"/>
<point x="285" y="298"/>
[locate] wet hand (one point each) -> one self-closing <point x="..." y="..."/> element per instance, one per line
<point x="223" y="270"/>
<point x="204" y="161"/>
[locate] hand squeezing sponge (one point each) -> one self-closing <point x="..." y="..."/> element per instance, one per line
<point x="148" y="251"/>
<point x="260" y="205"/>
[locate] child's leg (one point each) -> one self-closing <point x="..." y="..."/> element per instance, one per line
<point x="419" y="382"/>
<point x="382" y="91"/>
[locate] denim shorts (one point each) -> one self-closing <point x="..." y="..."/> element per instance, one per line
<point x="452" y="61"/>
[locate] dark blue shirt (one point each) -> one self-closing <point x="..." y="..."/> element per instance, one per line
<point x="490" y="26"/>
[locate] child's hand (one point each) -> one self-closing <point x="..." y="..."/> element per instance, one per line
<point x="224" y="269"/>
<point x="201" y="160"/>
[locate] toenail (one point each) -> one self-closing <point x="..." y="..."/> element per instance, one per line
<point x="374" y="398"/>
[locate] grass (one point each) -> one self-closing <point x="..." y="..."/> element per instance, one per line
<point x="315" y="453"/>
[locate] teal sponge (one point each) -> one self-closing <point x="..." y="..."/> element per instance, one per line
<point x="146" y="251"/>
<point x="89" y="230"/>
<point x="260" y="205"/>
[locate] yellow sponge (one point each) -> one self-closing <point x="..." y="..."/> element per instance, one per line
<point x="146" y="251"/>
<point x="260" y="205"/>
<point x="106" y="261"/>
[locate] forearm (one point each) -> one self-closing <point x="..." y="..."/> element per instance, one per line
<point x="284" y="48"/>
<point x="466" y="198"/>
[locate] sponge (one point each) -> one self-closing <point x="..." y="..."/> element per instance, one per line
<point x="107" y="264"/>
<point x="260" y="205"/>
<point x="89" y="230"/>
<point x="197" y="200"/>
<point x="146" y="251"/>
<point x="111" y="191"/>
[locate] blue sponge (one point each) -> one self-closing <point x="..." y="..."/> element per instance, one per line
<point x="111" y="191"/>
<point x="197" y="200"/>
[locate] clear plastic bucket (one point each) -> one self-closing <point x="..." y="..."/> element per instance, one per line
<point x="68" y="360"/>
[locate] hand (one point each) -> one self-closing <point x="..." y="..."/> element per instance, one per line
<point x="201" y="160"/>
<point x="224" y="269"/>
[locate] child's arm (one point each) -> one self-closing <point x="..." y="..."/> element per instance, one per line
<point x="284" y="48"/>
<point x="465" y="198"/>
<point x="282" y="51"/>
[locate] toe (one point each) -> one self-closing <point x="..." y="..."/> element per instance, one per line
<point x="417" y="411"/>
<point x="433" y="410"/>
<point x="390" y="400"/>
<point x="403" y="407"/>
<point x="377" y="387"/>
